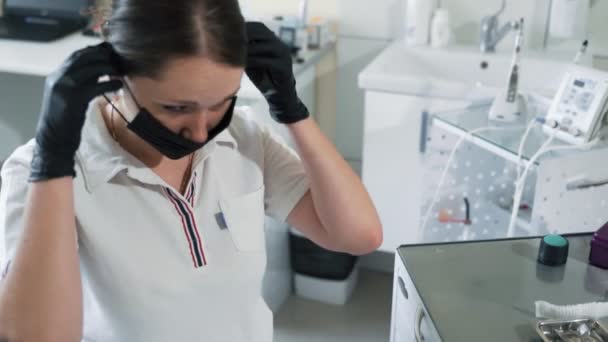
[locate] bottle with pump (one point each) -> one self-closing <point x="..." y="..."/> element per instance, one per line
<point x="418" y="18"/>
<point x="440" y="29"/>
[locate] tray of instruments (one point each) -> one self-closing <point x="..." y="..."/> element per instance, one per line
<point x="580" y="330"/>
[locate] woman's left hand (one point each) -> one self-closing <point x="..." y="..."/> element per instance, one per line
<point x="270" y="68"/>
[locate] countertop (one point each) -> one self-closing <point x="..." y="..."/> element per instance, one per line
<point x="458" y="71"/>
<point x="40" y="59"/>
<point x="481" y="291"/>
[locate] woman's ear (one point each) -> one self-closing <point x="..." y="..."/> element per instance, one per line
<point x="104" y="30"/>
<point x="128" y="103"/>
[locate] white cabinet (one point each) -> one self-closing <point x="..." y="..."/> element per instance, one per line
<point x="409" y="319"/>
<point x="392" y="169"/>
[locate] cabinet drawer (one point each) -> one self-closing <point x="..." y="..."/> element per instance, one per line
<point x="409" y="321"/>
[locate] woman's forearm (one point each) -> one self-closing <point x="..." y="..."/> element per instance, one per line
<point x="41" y="295"/>
<point x="341" y="201"/>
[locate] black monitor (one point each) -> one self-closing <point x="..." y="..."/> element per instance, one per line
<point x="60" y="9"/>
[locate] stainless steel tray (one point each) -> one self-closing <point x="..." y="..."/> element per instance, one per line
<point x="580" y="330"/>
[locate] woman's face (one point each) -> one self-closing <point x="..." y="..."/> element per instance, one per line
<point x="190" y="96"/>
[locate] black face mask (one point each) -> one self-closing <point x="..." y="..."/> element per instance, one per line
<point x="170" y="144"/>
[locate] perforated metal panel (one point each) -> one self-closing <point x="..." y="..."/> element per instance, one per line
<point x="571" y="194"/>
<point x="485" y="179"/>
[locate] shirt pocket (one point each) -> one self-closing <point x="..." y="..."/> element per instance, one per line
<point x="244" y="218"/>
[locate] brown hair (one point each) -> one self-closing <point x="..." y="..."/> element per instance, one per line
<point x="147" y="33"/>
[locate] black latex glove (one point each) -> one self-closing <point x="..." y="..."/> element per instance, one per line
<point x="67" y="94"/>
<point x="270" y="68"/>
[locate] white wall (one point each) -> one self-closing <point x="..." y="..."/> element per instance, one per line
<point x="365" y="24"/>
<point x="325" y="8"/>
<point x="382" y="19"/>
<point x="599" y="25"/>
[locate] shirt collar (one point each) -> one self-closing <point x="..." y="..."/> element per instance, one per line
<point x="101" y="158"/>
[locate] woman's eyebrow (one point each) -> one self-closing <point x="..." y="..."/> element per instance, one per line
<point x="233" y="94"/>
<point x="194" y="103"/>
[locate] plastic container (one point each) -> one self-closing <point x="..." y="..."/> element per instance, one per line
<point x="440" y="29"/>
<point x="418" y="21"/>
<point x="326" y="291"/>
<point x="599" y="248"/>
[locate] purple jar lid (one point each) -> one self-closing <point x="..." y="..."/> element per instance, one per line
<point x="599" y="238"/>
<point x="602" y="233"/>
<point x="599" y="254"/>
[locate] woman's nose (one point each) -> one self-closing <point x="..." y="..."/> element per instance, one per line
<point x="197" y="128"/>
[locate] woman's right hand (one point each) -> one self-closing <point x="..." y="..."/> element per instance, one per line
<point x="67" y="94"/>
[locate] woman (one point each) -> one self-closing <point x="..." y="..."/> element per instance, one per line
<point x="148" y="190"/>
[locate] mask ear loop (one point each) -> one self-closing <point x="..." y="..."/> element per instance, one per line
<point x="116" y="109"/>
<point x="114" y="106"/>
<point x="131" y="93"/>
<point x="112" y="126"/>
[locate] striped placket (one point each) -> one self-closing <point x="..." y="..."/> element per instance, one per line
<point x="185" y="210"/>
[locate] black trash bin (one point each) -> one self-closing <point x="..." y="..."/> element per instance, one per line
<point x="320" y="274"/>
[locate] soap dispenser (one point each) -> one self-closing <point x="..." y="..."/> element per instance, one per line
<point x="440" y="29"/>
<point x="418" y="18"/>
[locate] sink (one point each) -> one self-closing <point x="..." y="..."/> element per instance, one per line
<point x="459" y="72"/>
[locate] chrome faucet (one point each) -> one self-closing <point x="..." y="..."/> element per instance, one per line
<point x="490" y="34"/>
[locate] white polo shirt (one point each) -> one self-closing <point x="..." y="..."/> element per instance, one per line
<point x="159" y="266"/>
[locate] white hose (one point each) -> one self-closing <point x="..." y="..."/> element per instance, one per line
<point x="522" y="143"/>
<point x="520" y="183"/>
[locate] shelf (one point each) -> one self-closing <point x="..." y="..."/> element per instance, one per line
<point x="489" y="222"/>
<point x="500" y="139"/>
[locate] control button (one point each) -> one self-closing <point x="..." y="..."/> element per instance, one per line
<point x="566" y="122"/>
<point x="575" y="132"/>
<point x="584" y="100"/>
<point x="553" y="250"/>
<point x="552" y="123"/>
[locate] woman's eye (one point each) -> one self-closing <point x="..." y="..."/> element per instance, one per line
<point x="176" y="109"/>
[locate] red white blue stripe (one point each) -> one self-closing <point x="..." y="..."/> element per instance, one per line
<point x="188" y="221"/>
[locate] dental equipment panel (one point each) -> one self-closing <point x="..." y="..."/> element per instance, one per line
<point x="578" y="110"/>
